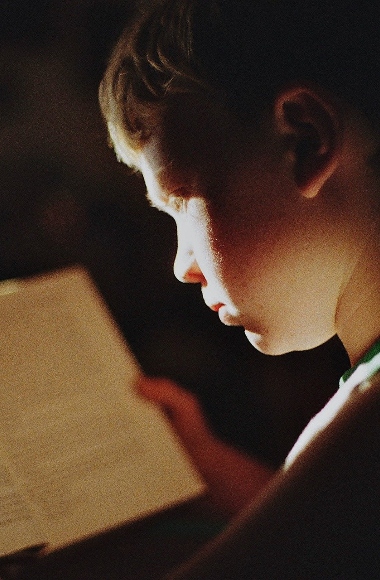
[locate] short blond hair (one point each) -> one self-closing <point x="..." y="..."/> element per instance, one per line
<point x="238" y="52"/>
<point x="152" y="62"/>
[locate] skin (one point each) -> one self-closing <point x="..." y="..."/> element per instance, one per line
<point x="233" y="478"/>
<point x="289" y="244"/>
<point x="278" y="224"/>
<point x="274" y="238"/>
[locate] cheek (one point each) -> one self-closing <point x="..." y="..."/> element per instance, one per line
<point x="248" y="216"/>
<point x="235" y="239"/>
<point x="255" y="258"/>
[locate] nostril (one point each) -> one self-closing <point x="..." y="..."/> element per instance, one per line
<point x="188" y="271"/>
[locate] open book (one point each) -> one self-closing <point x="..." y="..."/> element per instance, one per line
<point x="80" y="452"/>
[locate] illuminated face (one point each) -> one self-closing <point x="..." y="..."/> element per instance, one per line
<point x="262" y="253"/>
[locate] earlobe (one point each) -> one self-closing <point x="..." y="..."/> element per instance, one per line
<point x="310" y="124"/>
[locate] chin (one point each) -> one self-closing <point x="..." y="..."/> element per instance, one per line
<point x="262" y="344"/>
<point x="276" y="346"/>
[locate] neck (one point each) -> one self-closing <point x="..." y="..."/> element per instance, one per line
<point x="358" y="313"/>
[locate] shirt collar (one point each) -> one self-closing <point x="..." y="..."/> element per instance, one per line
<point x="367" y="366"/>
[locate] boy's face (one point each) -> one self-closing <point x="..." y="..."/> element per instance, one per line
<point x="261" y="252"/>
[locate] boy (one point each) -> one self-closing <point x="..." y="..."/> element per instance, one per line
<point x="255" y="126"/>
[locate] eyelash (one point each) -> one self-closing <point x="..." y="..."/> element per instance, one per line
<point x="177" y="203"/>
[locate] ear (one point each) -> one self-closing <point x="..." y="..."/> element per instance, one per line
<point x="310" y="123"/>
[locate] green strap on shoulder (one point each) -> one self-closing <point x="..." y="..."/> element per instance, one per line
<point x="365" y="360"/>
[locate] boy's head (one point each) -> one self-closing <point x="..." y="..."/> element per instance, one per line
<point x="249" y="122"/>
<point x="238" y="53"/>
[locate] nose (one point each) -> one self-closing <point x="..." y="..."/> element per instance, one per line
<point x="186" y="268"/>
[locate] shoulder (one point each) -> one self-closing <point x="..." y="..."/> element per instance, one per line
<point x="348" y="407"/>
<point x="319" y="518"/>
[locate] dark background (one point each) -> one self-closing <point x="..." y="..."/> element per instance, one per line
<point x="64" y="199"/>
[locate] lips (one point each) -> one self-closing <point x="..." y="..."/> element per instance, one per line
<point x="216" y="307"/>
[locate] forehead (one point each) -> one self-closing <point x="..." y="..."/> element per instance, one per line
<point x="162" y="175"/>
<point x="153" y="167"/>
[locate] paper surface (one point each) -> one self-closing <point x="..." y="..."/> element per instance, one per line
<point x="87" y="451"/>
<point x="19" y="524"/>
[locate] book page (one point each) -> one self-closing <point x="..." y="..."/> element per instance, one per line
<point x="88" y="452"/>
<point x="19" y="524"/>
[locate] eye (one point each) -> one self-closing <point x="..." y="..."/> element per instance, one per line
<point x="178" y="204"/>
<point x="178" y="199"/>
